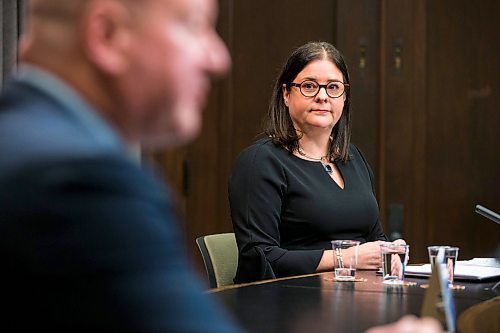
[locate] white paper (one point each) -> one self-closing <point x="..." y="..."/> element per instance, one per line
<point x="475" y="269"/>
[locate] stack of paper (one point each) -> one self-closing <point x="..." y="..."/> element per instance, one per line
<point x="475" y="269"/>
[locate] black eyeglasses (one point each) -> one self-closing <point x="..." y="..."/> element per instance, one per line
<point x="308" y="88"/>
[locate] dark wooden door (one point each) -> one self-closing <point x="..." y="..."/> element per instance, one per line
<point x="463" y="124"/>
<point x="435" y="93"/>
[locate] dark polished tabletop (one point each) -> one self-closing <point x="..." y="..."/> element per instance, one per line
<point x="317" y="303"/>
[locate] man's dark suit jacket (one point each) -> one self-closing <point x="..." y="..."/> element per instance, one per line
<point x="88" y="241"/>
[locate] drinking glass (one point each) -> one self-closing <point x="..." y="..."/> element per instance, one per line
<point x="394" y="257"/>
<point x="450" y="259"/>
<point x="345" y="261"/>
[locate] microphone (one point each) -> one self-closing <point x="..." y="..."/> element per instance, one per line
<point x="495" y="217"/>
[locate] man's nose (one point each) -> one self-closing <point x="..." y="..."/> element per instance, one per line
<point x="219" y="58"/>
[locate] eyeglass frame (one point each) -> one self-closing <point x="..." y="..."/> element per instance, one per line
<point x="298" y="85"/>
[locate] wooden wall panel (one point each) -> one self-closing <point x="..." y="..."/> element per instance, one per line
<point x="10" y="29"/>
<point x="402" y="117"/>
<point x="358" y="38"/>
<point x="463" y="160"/>
<point x="437" y="121"/>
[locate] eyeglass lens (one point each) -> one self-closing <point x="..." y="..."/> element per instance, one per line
<point x="333" y="89"/>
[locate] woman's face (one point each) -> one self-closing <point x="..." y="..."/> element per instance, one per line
<point x="320" y="112"/>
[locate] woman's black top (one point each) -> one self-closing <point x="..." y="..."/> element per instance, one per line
<point x="286" y="210"/>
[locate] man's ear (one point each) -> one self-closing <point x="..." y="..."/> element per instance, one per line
<point x="106" y="29"/>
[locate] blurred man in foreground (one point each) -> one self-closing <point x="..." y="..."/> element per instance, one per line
<point x="88" y="238"/>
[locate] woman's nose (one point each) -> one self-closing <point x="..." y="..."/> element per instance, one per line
<point x="322" y="95"/>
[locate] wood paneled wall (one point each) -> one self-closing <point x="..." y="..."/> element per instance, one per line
<point x="10" y="29"/>
<point x="435" y="94"/>
<point x="462" y="123"/>
<point x="425" y="94"/>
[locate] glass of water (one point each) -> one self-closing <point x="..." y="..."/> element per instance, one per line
<point x="394" y="258"/>
<point x="345" y="258"/>
<point x="450" y="259"/>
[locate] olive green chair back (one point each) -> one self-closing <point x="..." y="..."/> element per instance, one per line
<point x="220" y="255"/>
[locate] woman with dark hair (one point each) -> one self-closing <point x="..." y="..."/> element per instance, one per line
<point x="304" y="185"/>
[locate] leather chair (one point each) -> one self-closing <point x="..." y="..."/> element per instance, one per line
<point x="481" y="318"/>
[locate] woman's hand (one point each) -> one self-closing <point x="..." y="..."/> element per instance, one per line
<point x="369" y="256"/>
<point x="402" y="242"/>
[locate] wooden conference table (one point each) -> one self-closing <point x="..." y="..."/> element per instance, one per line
<point x="316" y="303"/>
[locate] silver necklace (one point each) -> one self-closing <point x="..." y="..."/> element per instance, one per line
<point x="326" y="166"/>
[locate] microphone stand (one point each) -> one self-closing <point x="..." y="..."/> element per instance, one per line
<point x="489" y="214"/>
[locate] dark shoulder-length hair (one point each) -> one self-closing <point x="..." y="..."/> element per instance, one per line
<point x="278" y="124"/>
